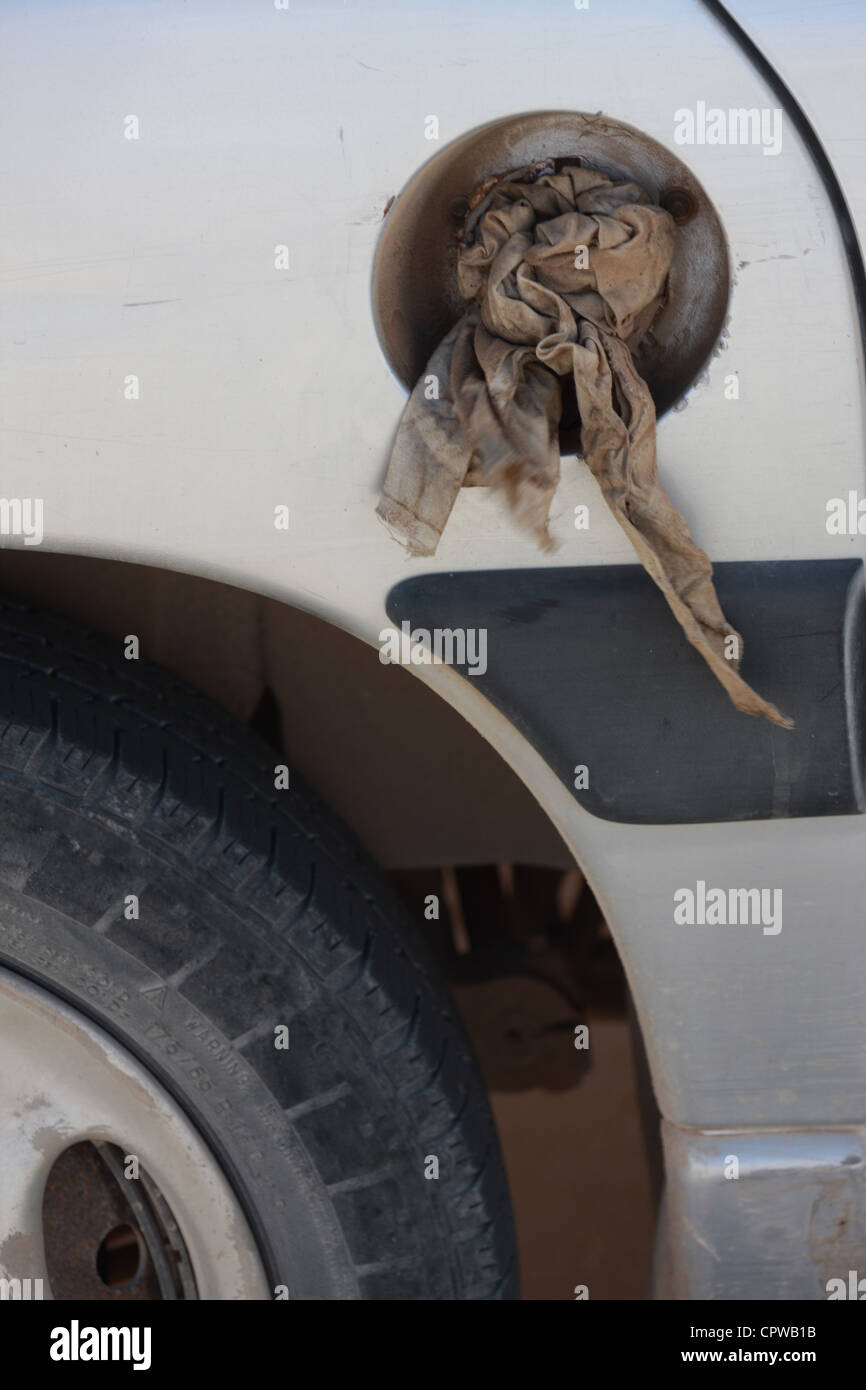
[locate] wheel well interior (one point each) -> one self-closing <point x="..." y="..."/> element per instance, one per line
<point x="415" y="782"/>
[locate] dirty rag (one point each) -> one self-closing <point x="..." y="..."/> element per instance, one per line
<point x="563" y="272"/>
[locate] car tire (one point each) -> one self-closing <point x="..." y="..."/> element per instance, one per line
<point x="154" y="877"/>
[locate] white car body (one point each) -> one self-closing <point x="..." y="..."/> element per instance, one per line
<point x="153" y="258"/>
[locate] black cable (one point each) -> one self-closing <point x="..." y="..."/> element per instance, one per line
<point x="808" y="135"/>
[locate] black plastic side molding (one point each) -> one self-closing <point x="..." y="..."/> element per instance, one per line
<point x="591" y="666"/>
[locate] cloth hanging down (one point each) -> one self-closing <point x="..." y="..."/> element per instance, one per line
<point x="563" y="273"/>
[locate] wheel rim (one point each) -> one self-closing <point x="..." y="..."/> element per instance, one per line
<point x="63" y="1083"/>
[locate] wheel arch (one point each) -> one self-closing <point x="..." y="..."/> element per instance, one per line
<point x="420" y="779"/>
